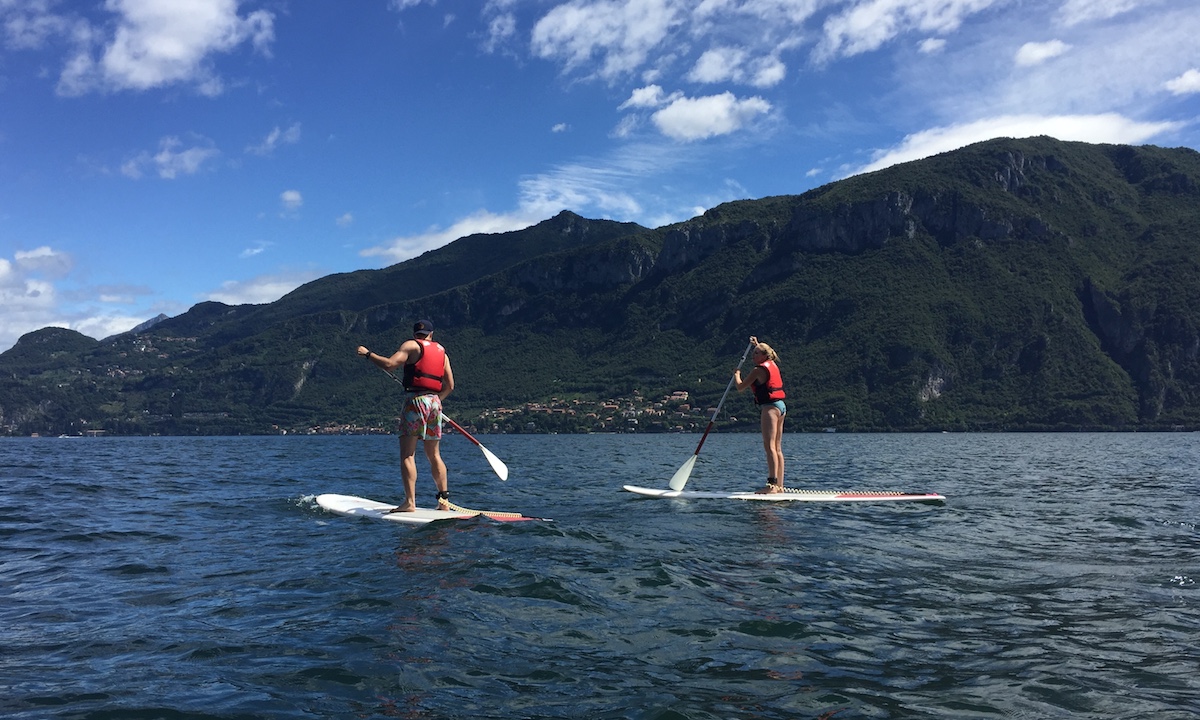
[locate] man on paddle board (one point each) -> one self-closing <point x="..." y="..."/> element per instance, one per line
<point x="428" y="380"/>
<point x="767" y="382"/>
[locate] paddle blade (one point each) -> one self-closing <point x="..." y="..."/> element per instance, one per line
<point x="680" y="478"/>
<point x="500" y="468"/>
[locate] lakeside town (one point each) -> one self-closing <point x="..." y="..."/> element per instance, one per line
<point x="671" y="413"/>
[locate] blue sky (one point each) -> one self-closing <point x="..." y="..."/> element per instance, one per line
<point x="158" y="153"/>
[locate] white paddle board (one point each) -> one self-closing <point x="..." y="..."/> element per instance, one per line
<point x="793" y="495"/>
<point x="362" y="507"/>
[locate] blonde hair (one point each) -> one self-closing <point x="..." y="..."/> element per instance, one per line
<point x="769" y="351"/>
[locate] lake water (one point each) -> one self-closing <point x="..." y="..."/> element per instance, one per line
<point x="196" y="578"/>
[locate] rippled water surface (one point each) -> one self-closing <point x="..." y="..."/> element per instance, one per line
<point x="196" y="578"/>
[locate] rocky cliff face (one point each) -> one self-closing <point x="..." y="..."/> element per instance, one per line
<point x="600" y="267"/>
<point x="896" y="214"/>
<point x="1158" y="347"/>
<point x="688" y="244"/>
<point x="851" y="227"/>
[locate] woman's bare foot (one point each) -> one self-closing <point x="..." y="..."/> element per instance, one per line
<point x="770" y="489"/>
<point x="403" y="508"/>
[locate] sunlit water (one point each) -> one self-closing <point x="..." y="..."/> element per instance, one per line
<point x="196" y="578"/>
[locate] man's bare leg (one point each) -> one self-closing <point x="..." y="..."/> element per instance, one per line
<point x="408" y="473"/>
<point x="438" y="470"/>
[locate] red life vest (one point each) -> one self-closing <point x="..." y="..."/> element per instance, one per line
<point x="772" y="389"/>
<point x="427" y="372"/>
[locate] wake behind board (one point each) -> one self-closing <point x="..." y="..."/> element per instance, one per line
<point x="362" y="507"/>
<point x="793" y="495"/>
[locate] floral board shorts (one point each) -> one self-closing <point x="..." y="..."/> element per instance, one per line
<point x="422" y="417"/>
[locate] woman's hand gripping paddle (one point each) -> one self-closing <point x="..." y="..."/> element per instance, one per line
<point x="499" y="467"/>
<point x="680" y="478"/>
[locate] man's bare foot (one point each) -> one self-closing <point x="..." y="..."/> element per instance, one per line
<point x="402" y="508"/>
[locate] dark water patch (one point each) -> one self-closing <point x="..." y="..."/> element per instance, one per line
<point x="158" y="713"/>
<point x="55" y="700"/>
<point x="138" y="569"/>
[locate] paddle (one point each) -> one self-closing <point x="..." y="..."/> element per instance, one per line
<point x="680" y="478"/>
<point x="499" y="467"/>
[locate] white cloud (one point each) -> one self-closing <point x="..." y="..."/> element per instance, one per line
<point x="32" y="299"/>
<point x="1104" y="128"/>
<point x="291" y="200"/>
<point x="1111" y="68"/>
<point x="626" y="126"/>
<point x="502" y="28"/>
<point x="44" y="261"/>
<point x="403" y="248"/>
<point x="1036" y="53"/>
<point x="865" y="26"/>
<point x="718" y="65"/>
<point x="622" y="33"/>
<point x="704" y="117"/>
<point x="1186" y="84"/>
<point x="596" y="187"/>
<point x="645" y="97"/>
<point x="401" y="5"/>
<point x="345" y="220"/>
<point x="932" y="46"/>
<point x="767" y="72"/>
<point x="172" y="159"/>
<point x="31" y="24"/>
<point x="261" y="289"/>
<point x="652" y="172"/>
<point x="156" y="43"/>
<point x="102" y="326"/>
<point x="731" y="64"/>
<point x="1075" y="12"/>
<point x="278" y="136"/>
<point x="611" y="39"/>
<point x="29" y="302"/>
<point x="559" y="128"/>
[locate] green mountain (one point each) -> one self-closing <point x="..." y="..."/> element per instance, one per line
<point x="1010" y="285"/>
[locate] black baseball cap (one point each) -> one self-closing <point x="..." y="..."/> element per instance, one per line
<point x="422" y="327"/>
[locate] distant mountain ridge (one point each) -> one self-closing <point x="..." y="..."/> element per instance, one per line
<point x="1010" y="285"/>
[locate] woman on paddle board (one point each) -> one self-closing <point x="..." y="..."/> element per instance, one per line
<point x="767" y="383"/>
<point x="429" y="381"/>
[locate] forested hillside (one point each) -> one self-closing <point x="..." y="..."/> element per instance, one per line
<point x="1011" y="285"/>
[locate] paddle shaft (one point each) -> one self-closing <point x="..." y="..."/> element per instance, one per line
<point x="727" y="389"/>
<point x="459" y="428"/>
